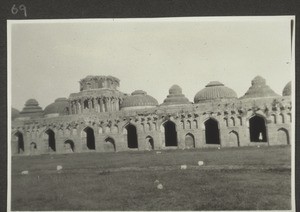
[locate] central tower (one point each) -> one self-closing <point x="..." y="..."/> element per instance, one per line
<point x="97" y="94"/>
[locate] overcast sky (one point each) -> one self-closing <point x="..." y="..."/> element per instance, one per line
<point x="48" y="59"/>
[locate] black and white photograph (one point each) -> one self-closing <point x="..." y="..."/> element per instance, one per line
<point x="151" y="114"/>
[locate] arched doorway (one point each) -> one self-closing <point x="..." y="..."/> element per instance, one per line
<point x="51" y="140"/>
<point x="212" y="134"/>
<point x="33" y="148"/>
<point x="170" y="134"/>
<point x="189" y="141"/>
<point x="149" y="143"/>
<point x="90" y="138"/>
<point x="109" y="145"/>
<point x="257" y="127"/>
<point x="234" y="138"/>
<point x="18" y="147"/>
<point x="283" y="136"/>
<point x="69" y="146"/>
<point x="132" y="141"/>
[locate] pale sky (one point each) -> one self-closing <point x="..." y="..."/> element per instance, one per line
<point x="48" y="59"/>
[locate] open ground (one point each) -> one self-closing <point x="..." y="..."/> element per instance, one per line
<point x="246" y="178"/>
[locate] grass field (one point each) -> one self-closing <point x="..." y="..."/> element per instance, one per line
<point x="247" y="178"/>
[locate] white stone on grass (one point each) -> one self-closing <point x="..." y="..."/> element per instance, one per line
<point x="156" y="182"/>
<point x="258" y="146"/>
<point x="183" y="167"/>
<point x="160" y="186"/>
<point x="25" y="172"/>
<point x="158" y="152"/>
<point x="59" y="167"/>
<point x="200" y="163"/>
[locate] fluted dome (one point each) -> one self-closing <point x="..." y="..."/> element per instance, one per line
<point x="59" y="106"/>
<point x="139" y="98"/>
<point x="214" y="91"/>
<point x="31" y="109"/>
<point x="14" y="113"/>
<point x="175" y="97"/>
<point x="287" y="89"/>
<point x="259" y="88"/>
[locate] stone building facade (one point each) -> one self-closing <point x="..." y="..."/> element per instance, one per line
<point x="101" y="118"/>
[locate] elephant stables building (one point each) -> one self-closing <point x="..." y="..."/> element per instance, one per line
<point x="100" y="118"/>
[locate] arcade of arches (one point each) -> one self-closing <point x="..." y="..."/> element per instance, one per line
<point x="211" y="134"/>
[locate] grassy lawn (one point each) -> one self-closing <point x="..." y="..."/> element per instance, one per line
<point x="248" y="178"/>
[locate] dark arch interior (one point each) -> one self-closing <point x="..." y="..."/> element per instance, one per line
<point x="51" y="139"/>
<point x="90" y="138"/>
<point x="32" y="145"/>
<point x="132" y="141"/>
<point x="257" y="129"/>
<point x="170" y="134"/>
<point x="212" y="132"/>
<point x="20" y="147"/>
<point x="111" y="141"/>
<point x="151" y="142"/>
<point x="71" y="143"/>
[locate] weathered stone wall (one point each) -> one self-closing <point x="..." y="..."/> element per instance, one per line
<point x="110" y="133"/>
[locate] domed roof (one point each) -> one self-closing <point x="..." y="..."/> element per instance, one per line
<point x="258" y="89"/>
<point x="31" y="108"/>
<point x="287" y="89"/>
<point x="59" y="106"/>
<point x="138" y="98"/>
<point x="14" y="113"/>
<point x="214" y="90"/>
<point x="175" y="96"/>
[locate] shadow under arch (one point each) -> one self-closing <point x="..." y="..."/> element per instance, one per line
<point x="131" y="131"/>
<point x="89" y="136"/>
<point x="170" y="133"/>
<point x="110" y="145"/>
<point x="69" y="145"/>
<point x="212" y="132"/>
<point x="18" y="145"/>
<point x="257" y="128"/>
<point x="149" y="143"/>
<point x="51" y="139"/>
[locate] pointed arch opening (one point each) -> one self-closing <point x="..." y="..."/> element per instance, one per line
<point x="132" y="141"/>
<point x="257" y="127"/>
<point x="149" y="143"/>
<point x="170" y="133"/>
<point x="69" y="146"/>
<point x="33" y="147"/>
<point x="212" y="133"/>
<point x="234" y="139"/>
<point x="283" y="136"/>
<point x="189" y="141"/>
<point x="90" y="138"/>
<point x="18" y="148"/>
<point x="109" y="145"/>
<point x="51" y="140"/>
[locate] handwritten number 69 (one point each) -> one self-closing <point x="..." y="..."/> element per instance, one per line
<point x="15" y="9"/>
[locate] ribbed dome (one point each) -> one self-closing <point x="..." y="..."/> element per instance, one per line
<point x="14" y="113"/>
<point x="175" y="97"/>
<point x="138" y="98"/>
<point x="287" y="89"/>
<point x="258" y="89"/>
<point x="213" y="91"/>
<point x="31" y="108"/>
<point x="59" y="106"/>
